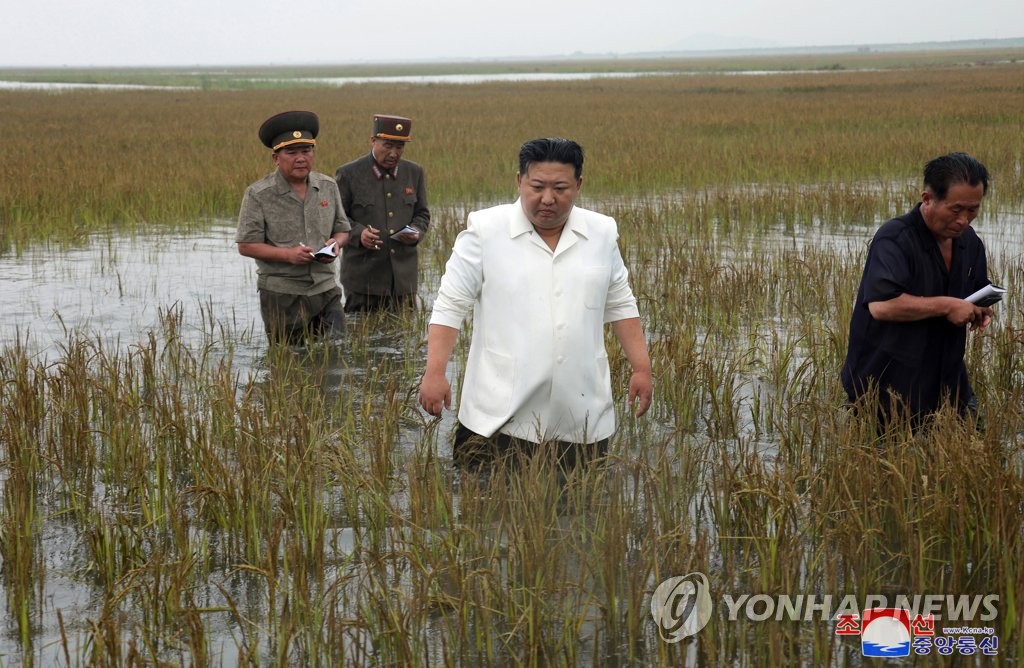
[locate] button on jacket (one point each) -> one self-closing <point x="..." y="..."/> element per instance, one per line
<point x="387" y="204"/>
<point x="537" y="366"/>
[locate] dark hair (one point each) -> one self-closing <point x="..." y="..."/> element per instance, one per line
<point x="948" y="170"/>
<point x="551" y="149"/>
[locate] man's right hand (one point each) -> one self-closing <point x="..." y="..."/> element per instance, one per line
<point x="300" y="254"/>
<point x="435" y="393"/>
<point x="370" y="238"/>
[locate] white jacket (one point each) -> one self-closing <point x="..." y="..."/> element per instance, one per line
<point x="537" y="365"/>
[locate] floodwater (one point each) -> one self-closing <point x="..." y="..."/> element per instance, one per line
<point x="115" y="289"/>
<point x="416" y="79"/>
<point x="59" y="86"/>
<point x="520" y="77"/>
<point x="512" y="77"/>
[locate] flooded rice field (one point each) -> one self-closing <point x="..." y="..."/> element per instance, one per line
<point x="116" y="287"/>
<point x="115" y="291"/>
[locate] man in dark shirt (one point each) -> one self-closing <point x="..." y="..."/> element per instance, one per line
<point x="385" y="197"/>
<point x="908" y="330"/>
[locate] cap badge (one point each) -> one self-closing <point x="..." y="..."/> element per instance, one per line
<point x="399" y="127"/>
<point x="297" y="134"/>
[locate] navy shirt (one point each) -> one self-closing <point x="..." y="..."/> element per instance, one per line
<point x="921" y="361"/>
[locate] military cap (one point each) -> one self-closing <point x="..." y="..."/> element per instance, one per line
<point x="289" y="127"/>
<point x="395" y="128"/>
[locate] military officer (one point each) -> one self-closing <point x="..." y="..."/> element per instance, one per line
<point x="293" y="224"/>
<point x="385" y="198"/>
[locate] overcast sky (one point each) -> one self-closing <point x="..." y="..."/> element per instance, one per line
<point x="230" y="32"/>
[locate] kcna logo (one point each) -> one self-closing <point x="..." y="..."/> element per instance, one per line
<point x="885" y="631"/>
<point x="892" y="632"/>
<point x="681" y="606"/>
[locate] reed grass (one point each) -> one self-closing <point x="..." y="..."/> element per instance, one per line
<point x="306" y="512"/>
<point x="137" y="159"/>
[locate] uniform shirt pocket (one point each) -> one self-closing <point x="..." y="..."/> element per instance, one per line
<point x="283" y="232"/>
<point x="362" y="209"/>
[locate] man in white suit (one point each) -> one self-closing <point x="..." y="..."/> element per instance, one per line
<point x="541" y="277"/>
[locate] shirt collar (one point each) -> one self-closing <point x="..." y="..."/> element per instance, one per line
<point x="284" y="187"/>
<point x="520" y="224"/>
<point x="379" y="171"/>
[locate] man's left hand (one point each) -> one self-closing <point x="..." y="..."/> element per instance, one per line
<point x="330" y="259"/>
<point x="407" y="238"/>
<point x="982" y="321"/>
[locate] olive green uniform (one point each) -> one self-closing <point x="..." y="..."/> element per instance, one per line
<point x="272" y="213"/>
